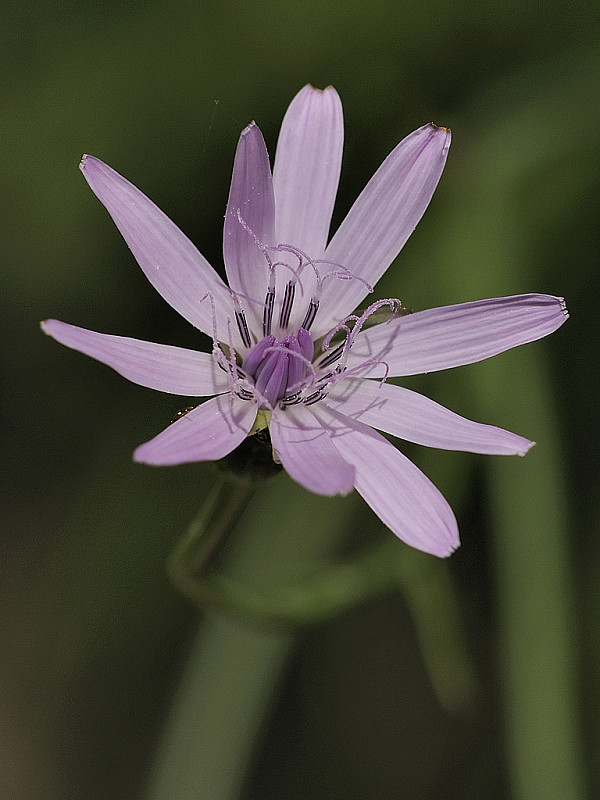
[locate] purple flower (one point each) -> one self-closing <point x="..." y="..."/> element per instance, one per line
<point x="288" y="353"/>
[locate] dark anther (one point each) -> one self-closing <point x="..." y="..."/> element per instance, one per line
<point x="286" y="307"/>
<point x="332" y="355"/>
<point x="268" y="312"/>
<point x="291" y="400"/>
<point x="240" y="318"/>
<point x="310" y="314"/>
<point x="314" y="397"/>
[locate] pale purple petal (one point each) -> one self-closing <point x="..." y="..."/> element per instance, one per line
<point x="209" y="432"/>
<point x="158" y="366"/>
<point x="382" y="218"/>
<point x="307" y="453"/>
<point x="307" y="169"/>
<point x="440" y="338"/>
<point x="397" y="491"/>
<point x="411" y="416"/>
<point x="169" y="260"/>
<point x="249" y="223"/>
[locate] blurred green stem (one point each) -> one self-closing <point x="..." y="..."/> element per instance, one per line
<point x="233" y="667"/>
<point x="536" y="598"/>
<point x="327" y="589"/>
<point x="208" y="533"/>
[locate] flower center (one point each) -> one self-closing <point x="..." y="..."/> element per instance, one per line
<point x="279" y="368"/>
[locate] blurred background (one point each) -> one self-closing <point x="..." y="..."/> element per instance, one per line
<point x="479" y="681"/>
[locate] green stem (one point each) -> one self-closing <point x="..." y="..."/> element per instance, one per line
<point x="536" y="609"/>
<point x="232" y="670"/>
<point x="208" y="533"/>
<point x="327" y="590"/>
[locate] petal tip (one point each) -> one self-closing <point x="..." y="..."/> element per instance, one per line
<point x="310" y="88"/>
<point x="248" y="129"/>
<point x="85" y="159"/>
<point x="252" y="136"/>
<point x="525" y="448"/>
<point x="451" y="543"/>
<point x="444" y="548"/>
<point x="90" y="165"/>
<point x="452" y="549"/>
<point x="46" y="326"/>
<point x="439" y="548"/>
<point x="139" y="457"/>
<point x="440" y="130"/>
<point x="436" y="127"/>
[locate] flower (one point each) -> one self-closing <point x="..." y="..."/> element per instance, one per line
<point x="288" y="353"/>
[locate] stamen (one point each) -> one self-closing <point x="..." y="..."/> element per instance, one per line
<point x="332" y="356"/>
<point x="268" y="311"/>
<point x="292" y="399"/>
<point x="240" y="318"/>
<point x="322" y="380"/>
<point x="286" y="306"/>
<point x="311" y="313"/>
<point x="314" y="398"/>
<point x="336" y="353"/>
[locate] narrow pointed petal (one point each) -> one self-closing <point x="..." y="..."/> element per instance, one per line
<point x="307" y="169"/>
<point x="397" y="491"/>
<point x="307" y="453"/>
<point x="158" y="366"/>
<point x="172" y="264"/>
<point x="249" y="223"/>
<point x="209" y="432"/>
<point x="382" y="218"/>
<point x="440" y="338"/>
<point x="411" y="416"/>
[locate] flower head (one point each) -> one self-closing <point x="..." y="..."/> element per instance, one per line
<point x="288" y="351"/>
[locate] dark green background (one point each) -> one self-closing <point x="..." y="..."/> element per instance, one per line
<point x="94" y="638"/>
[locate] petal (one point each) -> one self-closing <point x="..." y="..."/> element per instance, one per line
<point x="411" y="416"/>
<point x="249" y="223"/>
<point x="307" y="453"/>
<point x="397" y="491"/>
<point x="381" y="220"/>
<point x="158" y="366"/>
<point x="440" y="338"/>
<point x="307" y="169"/>
<point x="169" y="260"/>
<point x="207" y="433"/>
